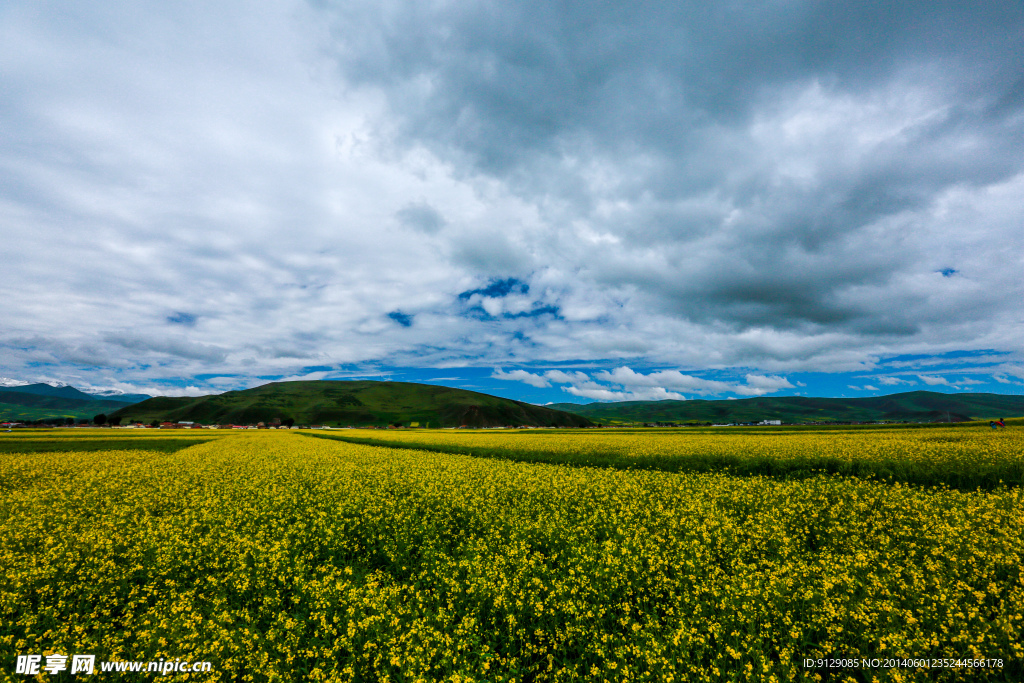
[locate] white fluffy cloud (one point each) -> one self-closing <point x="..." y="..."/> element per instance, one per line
<point x="894" y="381"/>
<point x="646" y="394"/>
<point x="566" y="377"/>
<point x="1011" y="370"/>
<point x="673" y="379"/>
<point x="758" y="385"/>
<point x="521" y="376"/>
<point x="625" y="384"/>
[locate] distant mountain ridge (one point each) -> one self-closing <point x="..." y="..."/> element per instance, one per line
<point x="62" y="390"/>
<point x="118" y="395"/>
<point x="356" y="403"/>
<point x="367" y="403"/>
<point x="24" y="401"/>
<point x="913" y="406"/>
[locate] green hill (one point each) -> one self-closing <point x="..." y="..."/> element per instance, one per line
<point x="360" y="404"/>
<point x="914" y="406"/>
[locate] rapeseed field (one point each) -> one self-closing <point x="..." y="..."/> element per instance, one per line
<point x="283" y="558"/>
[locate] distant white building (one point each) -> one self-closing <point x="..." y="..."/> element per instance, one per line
<point x="770" y="422"/>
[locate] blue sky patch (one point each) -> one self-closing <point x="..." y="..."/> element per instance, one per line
<point x="498" y="288"/>
<point x="403" y="319"/>
<point x="181" y="318"/>
<point x="536" y="312"/>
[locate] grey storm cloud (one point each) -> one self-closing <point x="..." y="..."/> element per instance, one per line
<point x="520" y="88"/>
<point x="172" y="346"/>
<point x="772" y="186"/>
<point x="505" y="81"/>
<point x="770" y="164"/>
<point x="421" y="216"/>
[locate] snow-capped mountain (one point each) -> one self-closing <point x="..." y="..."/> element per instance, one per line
<point x="11" y="382"/>
<point x="117" y="395"/>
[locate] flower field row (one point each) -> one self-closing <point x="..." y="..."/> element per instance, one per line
<point x="957" y="457"/>
<point x="282" y="558"/>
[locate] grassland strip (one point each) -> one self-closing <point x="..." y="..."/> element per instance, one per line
<point x="67" y="445"/>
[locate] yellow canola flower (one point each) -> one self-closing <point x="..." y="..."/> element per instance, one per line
<point x="279" y="557"/>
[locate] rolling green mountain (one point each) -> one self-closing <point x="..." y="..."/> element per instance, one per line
<point x="360" y="404"/>
<point x="913" y="406"/>
<point x="23" y="406"/>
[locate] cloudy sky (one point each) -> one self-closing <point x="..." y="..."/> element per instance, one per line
<point x="545" y="200"/>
